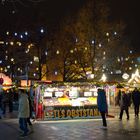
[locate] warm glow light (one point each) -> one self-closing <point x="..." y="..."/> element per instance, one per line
<point x="24" y="83"/>
<point x="57" y="52"/>
<point x="103" y="78"/>
<point x="135" y="77"/>
<point x="11" y="43"/>
<point x="7" y="80"/>
<point x="107" y="34"/>
<point x="1" y="42"/>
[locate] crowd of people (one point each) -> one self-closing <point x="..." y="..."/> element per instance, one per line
<point x="25" y="108"/>
<point x="6" y="99"/>
<point x="124" y="99"/>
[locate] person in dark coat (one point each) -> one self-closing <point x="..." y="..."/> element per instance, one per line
<point x="136" y="101"/>
<point x="102" y="105"/>
<point x="31" y="111"/>
<point x="124" y="105"/>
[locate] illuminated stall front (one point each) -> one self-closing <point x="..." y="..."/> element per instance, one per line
<point x="66" y="102"/>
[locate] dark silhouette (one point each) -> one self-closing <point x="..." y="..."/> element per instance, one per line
<point x="31" y="109"/>
<point x="124" y="105"/>
<point x="136" y="101"/>
<point x="102" y="106"/>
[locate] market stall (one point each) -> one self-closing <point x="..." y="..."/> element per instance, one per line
<point x="65" y="102"/>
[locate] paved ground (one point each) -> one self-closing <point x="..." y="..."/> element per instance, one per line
<point x="74" y="129"/>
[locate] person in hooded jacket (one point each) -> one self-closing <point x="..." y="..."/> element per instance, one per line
<point x="102" y="106"/>
<point x="23" y="112"/>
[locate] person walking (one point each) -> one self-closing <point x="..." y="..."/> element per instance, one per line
<point x="30" y="112"/>
<point x="102" y="106"/>
<point x="23" y="112"/>
<point x="124" y="105"/>
<point x="136" y="101"/>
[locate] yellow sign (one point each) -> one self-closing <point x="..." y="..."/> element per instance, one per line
<point x="62" y="113"/>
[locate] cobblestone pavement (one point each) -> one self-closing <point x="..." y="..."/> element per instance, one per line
<point x="84" y="129"/>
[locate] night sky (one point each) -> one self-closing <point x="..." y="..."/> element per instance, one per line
<point x="24" y="14"/>
<point x="128" y="11"/>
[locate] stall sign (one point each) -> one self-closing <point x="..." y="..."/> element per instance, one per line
<point x="71" y="113"/>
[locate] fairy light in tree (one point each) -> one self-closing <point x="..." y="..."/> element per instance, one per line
<point x="12" y="59"/>
<point x="115" y="33"/>
<point x="19" y="43"/>
<point x="18" y="69"/>
<point x="118" y="60"/>
<point x="46" y="53"/>
<point x="6" y="57"/>
<point x="107" y="34"/>
<point x="5" y="70"/>
<point x="11" y="43"/>
<point x="26" y="33"/>
<point x="42" y="30"/>
<point x="126" y="59"/>
<point x="31" y="62"/>
<point x="130" y="68"/>
<point x="7" y="33"/>
<point x="57" y="52"/>
<point x="100" y="45"/>
<point x="21" y="36"/>
<point x="75" y="49"/>
<point x="71" y="51"/>
<point x="92" y="42"/>
<point x="56" y="73"/>
<point x="27" y="51"/>
<point x="15" y="34"/>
